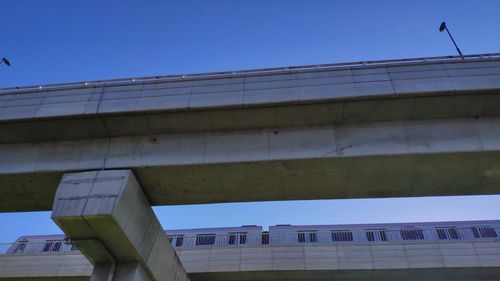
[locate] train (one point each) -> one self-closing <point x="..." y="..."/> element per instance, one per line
<point x="253" y="235"/>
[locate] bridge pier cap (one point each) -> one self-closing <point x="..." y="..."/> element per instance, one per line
<point x="108" y="212"/>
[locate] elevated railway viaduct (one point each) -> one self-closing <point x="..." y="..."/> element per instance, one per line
<point x="100" y="153"/>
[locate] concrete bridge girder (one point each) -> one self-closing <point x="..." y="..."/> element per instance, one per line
<point x="382" y="159"/>
<point x="415" y="128"/>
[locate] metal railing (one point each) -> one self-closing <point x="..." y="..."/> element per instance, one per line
<point x="236" y="73"/>
<point x="299" y="237"/>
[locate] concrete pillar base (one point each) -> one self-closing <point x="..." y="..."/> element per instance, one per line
<point x="102" y="272"/>
<point x="129" y="271"/>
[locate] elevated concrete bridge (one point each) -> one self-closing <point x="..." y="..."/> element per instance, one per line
<point x="100" y="153"/>
<point x="445" y="260"/>
<point x="412" y="127"/>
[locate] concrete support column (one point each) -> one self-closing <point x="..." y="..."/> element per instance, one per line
<point x="131" y="271"/>
<point x="107" y="213"/>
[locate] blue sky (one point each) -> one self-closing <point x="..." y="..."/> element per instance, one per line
<point x="64" y="41"/>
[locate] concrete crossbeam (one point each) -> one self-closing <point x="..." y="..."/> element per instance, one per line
<point x="340" y="141"/>
<point x="110" y="207"/>
<point x="380" y="159"/>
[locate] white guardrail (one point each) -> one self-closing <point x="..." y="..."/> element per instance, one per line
<point x="242" y="239"/>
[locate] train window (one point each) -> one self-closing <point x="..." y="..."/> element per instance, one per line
<point x="342" y="236"/>
<point x="265" y="238"/>
<point x="47" y="246"/>
<point x="205" y="239"/>
<point x="20" y="247"/>
<point x="236" y="238"/>
<point x="484" y="232"/>
<point x="56" y="247"/>
<point x="309" y="236"/>
<point x="412" y="234"/>
<point x="176" y="240"/>
<point x="376" y="235"/>
<point x="232" y="238"/>
<point x="179" y="241"/>
<point x="447" y="233"/>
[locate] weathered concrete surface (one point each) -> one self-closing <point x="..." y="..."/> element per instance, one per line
<point x="447" y="260"/>
<point x="289" y="86"/>
<point x="413" y="90"/>
<point x="102" y="271"/>
<point x="379" y="159"/>
<point x="129" y="271"/>
<point x="109" y="206"/>
<point x="430" y="274"/>
<point x="132" y="272"/>
<point x="341" y="111"/>
<point x="302" y="134"/>
<point x="275" y="258"/>
<point x="49" y="267"/>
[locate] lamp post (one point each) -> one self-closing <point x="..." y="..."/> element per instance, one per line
<point x="442" y="28"/>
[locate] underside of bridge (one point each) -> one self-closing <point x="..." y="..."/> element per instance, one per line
<point x="369" y="177"/>
<point x="431" y="274"/>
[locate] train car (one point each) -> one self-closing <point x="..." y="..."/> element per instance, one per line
<point x="377" y="233"/>
<point x="210" y="237"/>
<point x="253" y="235"/>
<point x="41" y="244"/>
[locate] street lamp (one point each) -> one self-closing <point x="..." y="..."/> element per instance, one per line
<point x="442" y="28"/>
<point x="5" y="61"/>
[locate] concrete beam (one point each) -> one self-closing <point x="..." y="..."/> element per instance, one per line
<point x="380" y="159"/>
<point x="476" y="104"/>
<point x="249" y="90"/>
<point x="291" y="135"/>
<point x="406" y="91"/>
<point x="110" y="207"/>
<point x="48" y="267"/>
<point x="477" y="260"/>
<point x="429" y="274"/>
<point x="274" y="260"/>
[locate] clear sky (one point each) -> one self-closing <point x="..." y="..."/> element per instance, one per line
<point x="64" y="41"/>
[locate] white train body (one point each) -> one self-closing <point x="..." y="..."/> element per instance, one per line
<point x="253" y="235"/>
<point x="230" y="236"/>
<point x="379" y="233"/>
<point x="41" y="244"/>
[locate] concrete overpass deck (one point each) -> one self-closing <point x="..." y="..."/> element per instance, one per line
<point x="193" y="103"/>
<point x="403" y="260"/>
<point x="417" y="127"/>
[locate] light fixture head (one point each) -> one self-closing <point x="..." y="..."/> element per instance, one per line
<point x="6" y="61"/>
<point x="442" y="27"/>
